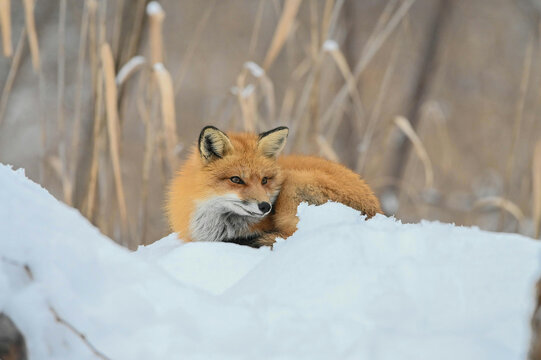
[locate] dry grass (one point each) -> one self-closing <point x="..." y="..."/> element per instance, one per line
<point x="31" y="32"/>
<point x="165" y="84"/>
<point x="536" y="181"/>
<point x="404" y="125"/>
<point x="113" y="128"/>
<point x="5" y="26"/>
<point x="298" y="68"/>
<point x="291" y="7"/>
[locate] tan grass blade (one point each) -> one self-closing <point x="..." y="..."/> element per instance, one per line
<point x="74" y="154"/>
<point x="256" y="28"/>
<point x="536" y="185"/>
<point x="376" y="110"/>
<point x="404" y="125"/>
<point x="31" y="32"/>
<point x="117" y="26"/>
<point x="113" y="127"/>
<point x="60" y="83"/>
<point x="519" y="111"/>
<point x="333" y="20"/>
<point x="326" y="20"/>
<point x="501" y="203"/>
<point x="193" y="45"/>
<point x="10" y="80"/>
<point x="5" y="23"/>
<point x="94" y="166"/>
<point x="60" y="171"/>
<point x="332" y="48"/>
<point x="138" y="19"/>
<point x="165" y="85"/>
<point x="147" y="165"/>
<point x="156" y="16"/>
<point x="289" y="12"/>
<point x="130" y="68"/>
<point x="368" y="53"/>
<point x="246" y="97"/>
<point x="326" y="149"/>
<point x="61" y="67"/>
<point x="267" y="88"/>
<point x="92" y="6"/>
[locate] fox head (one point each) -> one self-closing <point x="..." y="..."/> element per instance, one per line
<point x="242" y="168"/>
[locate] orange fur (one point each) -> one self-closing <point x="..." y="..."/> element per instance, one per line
<point x="292" y="180"/>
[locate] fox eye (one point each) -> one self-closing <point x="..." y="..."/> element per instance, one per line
<point x="236" y="180"/>
<point x="264" y="180"/>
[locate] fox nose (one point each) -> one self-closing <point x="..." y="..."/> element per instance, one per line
<point x="264" y="207"/>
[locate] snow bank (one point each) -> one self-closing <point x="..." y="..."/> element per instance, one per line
<point x="341" y="287"/>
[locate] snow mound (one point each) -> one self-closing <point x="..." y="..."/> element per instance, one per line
<point x="340" y="287"/>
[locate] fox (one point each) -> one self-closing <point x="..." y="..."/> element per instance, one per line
<point x="238" y="188"/>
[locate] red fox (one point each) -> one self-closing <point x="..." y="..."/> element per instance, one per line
<point x="236" y="188"/>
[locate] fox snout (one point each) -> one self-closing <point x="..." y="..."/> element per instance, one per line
<point x="264" y="206"/>
<point x="260" y="208"/>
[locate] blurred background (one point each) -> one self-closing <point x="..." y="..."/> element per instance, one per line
<point x="434" y="102"/>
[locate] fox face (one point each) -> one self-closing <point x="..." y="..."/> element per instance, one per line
<point x="245" y="181"/>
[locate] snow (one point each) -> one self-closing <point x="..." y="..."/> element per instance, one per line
<point x="256" y="70"/>
<point x="340" y="287"/>
<point x="244" y="92"/>
<point x="330" y="45"/>
<point x="154" y="8"/>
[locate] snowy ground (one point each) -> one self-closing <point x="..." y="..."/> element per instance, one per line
<point x="340" y="287"/>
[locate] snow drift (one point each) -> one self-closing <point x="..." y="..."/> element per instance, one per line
<point x="340" y="287"/>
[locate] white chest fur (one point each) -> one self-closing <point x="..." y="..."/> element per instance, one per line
<point x="220" y="218"/>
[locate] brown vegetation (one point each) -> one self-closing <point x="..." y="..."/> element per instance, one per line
<point x="434" y="102"/>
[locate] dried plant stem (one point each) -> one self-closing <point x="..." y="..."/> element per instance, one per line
<point x="367" y="55"/>
<point x="113" y="128"/>
<point x="376" y="110"/>
<point x="147" y="165"/>
<point x="5" y="23"/>
<point x="326" y="149"/>
<point x="92" y="7"/>
<point x="343" y="66"/>
<point x="61" y="67"/>
<point x="12" y="74"/>
<point x="289" y="12"/>
<point x="93" y="180"/>
<point x="333" y="21"/>
<point x="519" y="111"/>
<point x="74" y="154"/>
<point x="298" y="127"/>
<point x="165" y="84"/>
<point x="317" y="56"/>
<point x="326" y="21"/>
<point x="404" y="125"/>
<point x="67" y="187"/>
<point x="382" y="20"/>
<point x="267" y="88"/>
<point x="503" y="204"/>
<point x="135" y="33"/>
<point x="79" y="334"/>
<point x="256" y="28"/>
<point x="536" y="188"/>
<point x="32" y="34"/>
<point x="156" y="16"/>
<point x="130" y="68"/>
<point x="248" y="107"/>
<point x="196" y="39"/>
<point x="117" y="26"/>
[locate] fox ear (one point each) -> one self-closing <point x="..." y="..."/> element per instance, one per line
<point x="213" y="144"/>
<point x="272" y="142"/>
